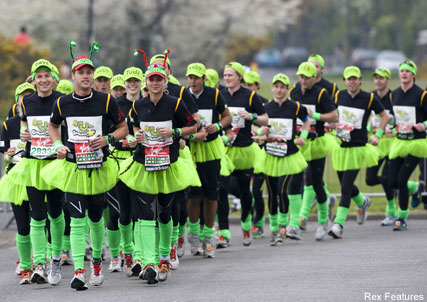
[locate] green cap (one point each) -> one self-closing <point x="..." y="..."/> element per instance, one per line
<point x="382" y="72"/>
<point x="173" y="80"/>
<point x="307" y="69"/>
<point x="281" y="77"/>
<point x="117" y="80"/>
<point x="352" y="71"/>
<point x="22" y="88"/>
<point x="55" y="73"/>
<point x="212" y="77"/>
<point x="251" y="77"/>
<point x="237" y="67"/>
<point x="196" y="69"/>
<point x="65" y="86"/>
<point x="159" y="58"/>
<point x="40" y="64"/>
<point x="318" y="58"/>
<point x="133" y="72"/>
<point x="409" y="65"/>
<point x="103" y="71"/>
<point x="156" y="69"/>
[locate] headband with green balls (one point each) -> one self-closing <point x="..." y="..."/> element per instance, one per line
<point x="81" y="61"/>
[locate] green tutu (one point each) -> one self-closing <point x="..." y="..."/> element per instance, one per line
<point x="227" y="166"/>
<point x="319" y="147"/>
<point x="179" y="176"/>
<point x="245" y="158"/>
<point x="355" y="158"/>
<point x="207" y="151"/>
<point x="403" y="148"/>
<point x="65" y="176"/>
<point x="385" y="144"/>
<point x="275" y="166"/>
<point x="27" y="173"/>
<point x="185" y="153"/>
<point x="10" y="192"/>
<point x="121" y="155"/>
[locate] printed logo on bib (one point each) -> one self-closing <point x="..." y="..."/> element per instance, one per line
<point x="83" y="127"/>
<point x="351" y="116"/>
<point x="86" y="157"/>
<point x="405" y="119"/>
<point x="237" y="120"/>
<point x="20" y="148"/>
<point x="281" y="128"/>
<point x="41" y="145"/>
<point x="376" y="119"/>
<point x="312" y="121"/>
<point x="157" y="158"/>
<point x="152" y="137"/>
<point x="205" y="116"/>
<point x="38" y="126"/>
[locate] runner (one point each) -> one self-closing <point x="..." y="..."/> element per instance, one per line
<point x="320" y="81"/>
<point x="354" y="108"/>
<point x="65" y="87"/>
<point x="117" y="86"/>
<point x="102" y="78"/>
<point x="212" y="78"/>
<point x="22" y="89"/>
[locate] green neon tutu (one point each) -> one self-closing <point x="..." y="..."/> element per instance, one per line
<point x="185" y="153"/>
<point x="27" y="173"/>
<point x="385" y="144"/>
<point x="10" y="192"/>
<point x="244" y="158"/>
<point x="319" y="147"/>
<point x="259" y="161"/>
<point x="65" y="176"/>
<point x="288" y="165"/>
<point x="355" y="158"/>
<point x="403" y="148"/>
<point x="179" y="176"/>
<point x="121" y="155"/>
<point x="227" y="166"/>
<point x="207" y="151"/>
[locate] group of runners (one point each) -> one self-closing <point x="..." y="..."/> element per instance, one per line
<point x="141" y="158"/>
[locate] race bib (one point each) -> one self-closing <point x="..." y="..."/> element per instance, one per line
<point x="404" y="115"/>
<point x="42" y="147"/>
<point x="82" y="128"/>
<point x="351" y="116"/>
<point x="86" y="157"/>
<point x="20" y="148"/>
<point x="404" y="131"/>
<point x="277" y="148"/>
<point x="281" y="128"/>
<point x="152" y="136"/>
<point x="205" y="116"/>
<point x="344" y="132"/>
<point x="237" y="121"/>
<point x="157" y="158"/>
<point x="312" y="121"/>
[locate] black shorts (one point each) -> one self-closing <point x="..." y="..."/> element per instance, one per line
<point x="209" y="177"/>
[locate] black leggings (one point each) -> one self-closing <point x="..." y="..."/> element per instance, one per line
<point x="348" y="189"/>
<point x="259" y="201"/>
<point x="67" y="219"/>
<point x="22" y="218"/>
<point x="244" y="182"/>
<point x="282" y="186"/>
<point x="123" y="194"/>
<point x="153" y="207"/>
<point x="40" y="208"/>
<point x="373" y="179"/>
<point x="400" y="171"/>
<point x="78" y="204"/>
<point x="223" y="205"/>
<point x="314" y="177"/>
<point x="179" y="208"/>
<point x="114" y="210"/>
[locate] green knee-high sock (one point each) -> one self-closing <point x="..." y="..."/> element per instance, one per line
<point x="147" y="238"/>
<point x="77" y="236"/>
<point x="261" y="222"/>
<point x="194" y="227"/>
<point x="156" y="247"/>
<point x="307" y="200"/>
<point x="114" y="242"/>
<point x="294" y="210"/>
<point x="403" y="213"/>
<point x="38" y="240"/>
<point x="48" y="250"/>
<point x="274" y="222"/>
<point x="165" y="238"/>
<point x="137" y="242"/>
<point x="57" y="227"/>
<point x="175" y="232"/>
<point x="87" y="231"/>
<point x="97" y="237"/>
<point x="226" y="233"/>
<point x="341" y="215"/>
<point x="391" y="208"/>
<point x="283" y="219"/>
<point x="412" y="186"/>
<point x="246" y="225"/>
<point x="359" y="200"/>
<point x="208" y="232"/>
<point x="182" y="228"/>
<point x="66" y="243"/>
<point x="126" y="236"/>
<point x="23" y="244"/>
<point x="322" y="212"/>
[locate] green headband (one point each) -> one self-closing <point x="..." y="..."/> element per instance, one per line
<point x="409" y="67"/>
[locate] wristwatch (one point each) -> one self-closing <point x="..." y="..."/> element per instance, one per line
<point x="111" y="138"/>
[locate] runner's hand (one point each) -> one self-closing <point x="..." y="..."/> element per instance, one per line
<point x="265" y="131"/>
<point x="420" y="127"/>
<point x="25" y="135"/>
<point x="211" y="129"/>
<point x="165" y="132"/>
<point x="309" y="112"/>
<point x="11" y="152"/>
<point x="244" y="114"/>
<point x="182" y="144"/>
<point x="374" y="140"/>
<point x="201" y="135"/>
<point x="132" y="142"/>
<point x="62" y="152"/>
<point x="98" y="142"/>
<point x="139" y="137"/>
<point x="300" y="141"/>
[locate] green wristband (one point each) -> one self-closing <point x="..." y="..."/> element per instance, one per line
<point x="58" y="144"/>
<point x="259" y="132"/>
<point x="369" y="128"/>
<point x="379" y="133"/>
<point x="425" y="123"/>
<point x="129" y="137"/>
<point x="394" y="130"/>
<point x="218" y="127"/>
<point x="191" y="137"/>
<point x="108" y="141"/>
<point x="8" y="158"/>
<point x="316" y="116"/>
<point x="23" y="128"/>
<point x="225" y="139"/>
<point x="304" y="134"/>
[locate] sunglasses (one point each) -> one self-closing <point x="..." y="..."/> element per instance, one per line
<point x="408" y="62"/>
<point x="381" y="69"/>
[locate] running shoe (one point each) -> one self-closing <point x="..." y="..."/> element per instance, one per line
<point x="96" y="277"/>
<point x="303" y="223"/>
<point x="257" y="232"/>
<point x="293" y="232"/>
<point x="150" y="274"/>
<point x="336" y="231"/>
<point x="275" y="238"/>
<point x="66" y="258"/>
<point x="79" y="280"/>
<point x="282" y="232"/>
<point x="388" y="220"/>
<point x="55" y="272"/>
<point x="128" y="265"/>
<point x="18" y="268"/>
<point x="165" y="270"/>
<point x="236" y="205"/>
<point x="39" y="274"/>
<point x="114" y="265"/>
<point x="400" y="224"/>
<point x="416" y="197"/>
<point x="181" y="246"/>
<point x="246" y="240"/>
<point x="222" y="242"/>
<point x="174" y="260"/>
<point x="321" y="231"/>
<point x="331" y="203"/>
<point x="25" y="277"/>
<point x="208" y="248"/>
<point x="194" y="244"/>
<point x="362" y="212"/>
<point x="136" y="268"/>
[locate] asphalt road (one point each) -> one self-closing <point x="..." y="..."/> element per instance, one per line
<point x="369" y="260"/>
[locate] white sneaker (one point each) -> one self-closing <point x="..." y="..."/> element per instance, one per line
<point x="331" y="204"/>
<point x="128" y="264"/>
<point x="96" y="277"/>
<point x="55" y="272"/>
<point x="362" y="212"/>
<point x="336" y="231"/>
<point x="149" y="273"/>
<point x="18" y="268"/>
<point x="174" y="260"/>
<point x="195" y="244"/>
<point x="293" y="232"/>
<point x="321" y="231"/>
<point x="115" y="265"/>
<point x="181" y="246"/>
<point x="39" y="274"/>
<point x="275" y="238"/>
<point x="79" y="280"/>
<point x="164" y="270"/>
<point x="208" y="248"/>
<point x="388" y="220"/>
